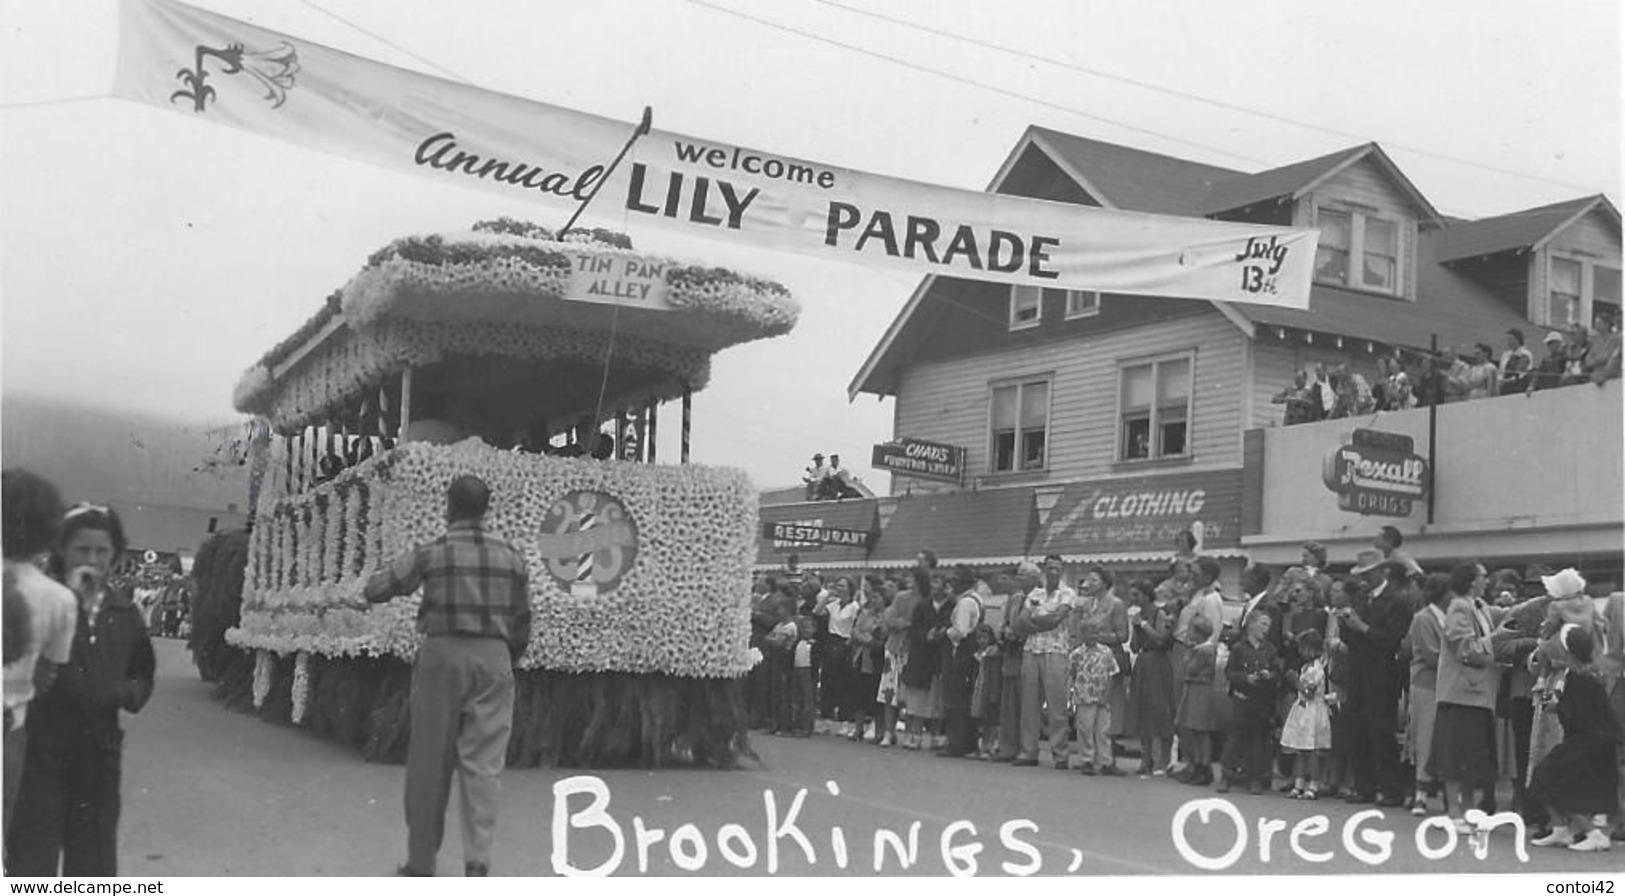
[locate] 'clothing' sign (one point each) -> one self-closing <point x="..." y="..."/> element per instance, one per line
<point x="1144" y="514"/>
<point x="921" y="459"/>
<point x="1376" y="473"/>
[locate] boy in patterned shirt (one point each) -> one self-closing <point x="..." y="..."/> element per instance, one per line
<point x="1091" y="670"/>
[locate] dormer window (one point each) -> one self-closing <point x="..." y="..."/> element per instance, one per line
<point x="1026" y="306"/>
<point x="1358" y="250"/>
<point x="1577" y="289"/>
<point x="1564" y="307"/>
<point x="1082" y="303"/>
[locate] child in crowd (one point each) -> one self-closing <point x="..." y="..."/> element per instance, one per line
<point x="1195" y="720"/>
<point x="985" y="694"/>
<point x="1091" y="671"/>
<point x="1307" y="731"/>
<point x="1252" y="675"/>
<point x="1578" y="777"/>
<point x="801" y="684"/>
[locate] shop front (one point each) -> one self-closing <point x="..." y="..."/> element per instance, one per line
<point x="825" y="536"/>
<point x="1510" y="481"/>
<point x="1135" y="526"/>
<point x="987" y="528"/>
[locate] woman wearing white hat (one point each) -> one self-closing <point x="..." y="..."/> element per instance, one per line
<point x="1579" y="777"/>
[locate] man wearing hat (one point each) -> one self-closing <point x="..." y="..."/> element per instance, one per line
<point x="814" y="477"/>
<point x="1390" y="542"/>
<point x="1373" y="627"/>
<point x="1548" y="372"/>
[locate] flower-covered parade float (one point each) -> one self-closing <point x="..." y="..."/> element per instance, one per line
<point x="504" y="352"/>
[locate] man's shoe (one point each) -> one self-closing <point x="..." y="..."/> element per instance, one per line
<point x="1254" y="788"/>
<point x="1088" y="769"/>
<point x="476" y="869"/>
<point x="405" y="870"/>
<point x="950" y="754"/>
<point x="1357" y="799"/>
<point x="1223" y="786"/>
<point x="1559" y="836"/>
<point x="1019" y="762"/>
<point x="1004" y="758"/>
<point x="1111" y="771"/>
<point x="1391" y="801"/>
<point x="1063" y="766"/>
<point x="1595" y="841"/>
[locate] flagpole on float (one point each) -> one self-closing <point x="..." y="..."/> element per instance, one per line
<point x="642" y="128"/>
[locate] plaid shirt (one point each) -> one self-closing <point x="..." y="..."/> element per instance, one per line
<point x="473" y="584"/>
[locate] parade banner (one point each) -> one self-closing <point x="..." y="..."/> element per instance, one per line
<point x="219" y="69"/>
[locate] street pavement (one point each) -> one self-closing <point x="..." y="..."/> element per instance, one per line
<point x="210" y="792"/>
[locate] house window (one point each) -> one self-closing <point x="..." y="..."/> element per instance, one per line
<point x="1026" y="306"/>
<point x="1605" y="293"/>
<point x="1020" y="426"/>
<point x="1156" y="409"/>
<point x="1082" y="303"/>
<point x="1332" y="255"/>
<point x="1348" y="235"/>
<point x="1563" y="306"/>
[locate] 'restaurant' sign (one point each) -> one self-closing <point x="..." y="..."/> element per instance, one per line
<point x="798" y="535"/>
<point x="1376" y="473"/>
<point x="921" y="459"/>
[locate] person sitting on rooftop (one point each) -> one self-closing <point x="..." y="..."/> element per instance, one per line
<point x="814" y="475"/>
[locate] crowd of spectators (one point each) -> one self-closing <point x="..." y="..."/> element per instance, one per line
<point x="1410" y="380"/>
<point x="1389" y="684"/>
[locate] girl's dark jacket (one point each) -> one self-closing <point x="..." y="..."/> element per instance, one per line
<point x="100" y="678"/>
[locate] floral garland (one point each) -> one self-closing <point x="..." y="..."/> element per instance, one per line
<point x="498" y="292"/>
<point x="681" y="608"/>
<point x="263" y="665"/>
<point x="301" y="686"/>
<point x="347" y="368"/>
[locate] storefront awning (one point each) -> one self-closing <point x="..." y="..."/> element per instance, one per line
<point x="858" y="515"/>
<point x="1139" y="518"/>
<point x="979" y="528"/>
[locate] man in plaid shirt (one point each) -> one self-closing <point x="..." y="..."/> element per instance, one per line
<point x="476" y="620"/>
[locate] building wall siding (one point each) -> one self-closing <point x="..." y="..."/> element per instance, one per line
<point x="1366" y="184"/>
<point x="948" y="401"/>
<point x="1590" y="235"/>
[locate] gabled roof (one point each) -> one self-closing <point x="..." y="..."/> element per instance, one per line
<point x="1300" y="178"/>
<point x="1515" y="231"/>
<point x="1450" y="306"/>
<point x="1124" y="177"/>
<point x="1115" y="176"/>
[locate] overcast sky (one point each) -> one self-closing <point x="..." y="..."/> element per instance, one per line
<point x="146" y="259"/>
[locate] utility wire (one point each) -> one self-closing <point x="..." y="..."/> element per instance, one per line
<point x="971" y="82"/>
<point x="386" y="42"/>
<point x="1169" y="91"/>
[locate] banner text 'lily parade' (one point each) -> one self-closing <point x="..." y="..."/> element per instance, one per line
<point x="198" y="63"/>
